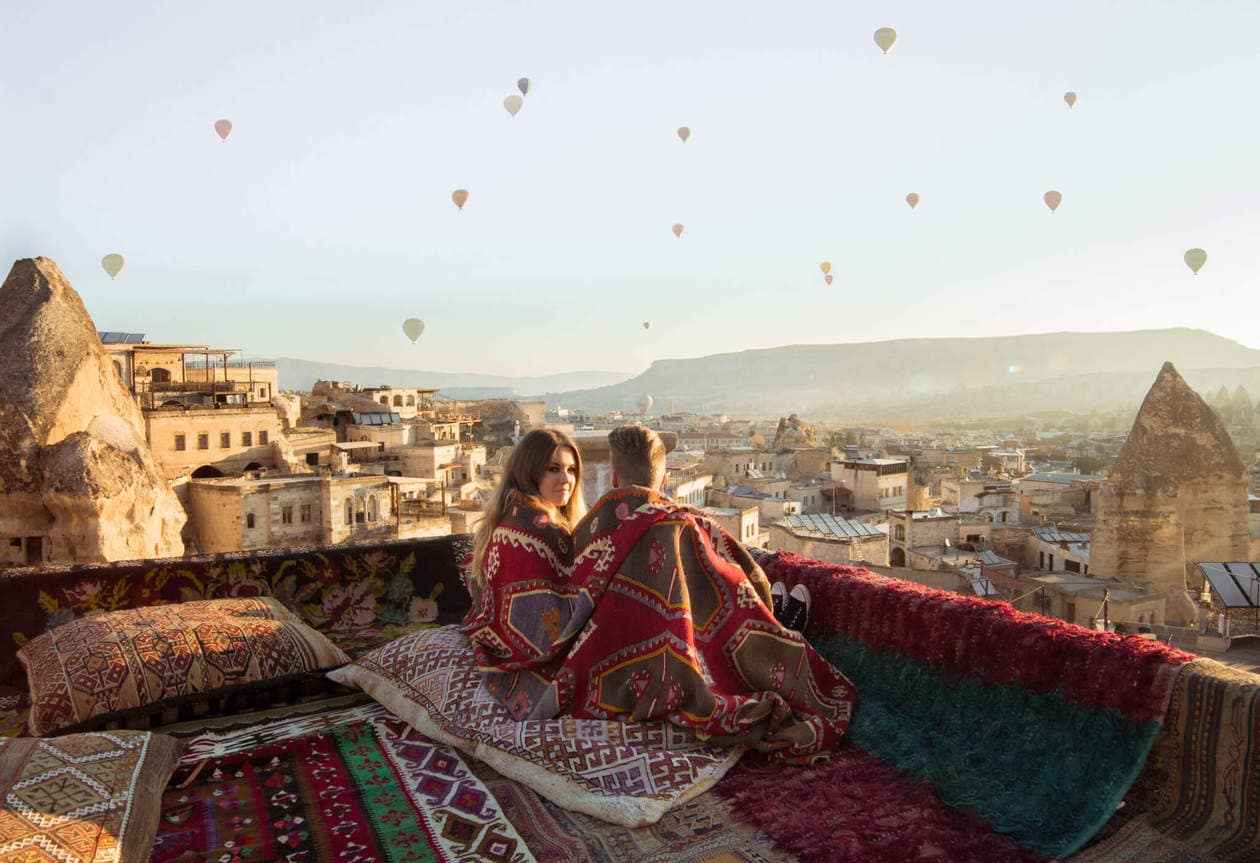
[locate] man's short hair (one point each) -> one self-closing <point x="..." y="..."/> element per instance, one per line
<point x="637" y="455"/>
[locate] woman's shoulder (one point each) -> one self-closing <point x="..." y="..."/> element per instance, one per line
<point x="526" y="512"/>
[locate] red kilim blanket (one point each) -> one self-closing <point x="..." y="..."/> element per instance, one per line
<point x="371" y="791"/>
<point x="649" y="611"/>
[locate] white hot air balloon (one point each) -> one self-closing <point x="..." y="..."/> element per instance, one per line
<point x="1195" y="259"/>
<point x="413" y="327"/>
<point x="513" y="104"/>
<point x="678" y="229"/>
<point x="644" y="403"/>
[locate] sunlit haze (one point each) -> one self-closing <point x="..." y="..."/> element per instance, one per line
<point x="325" y="218"/>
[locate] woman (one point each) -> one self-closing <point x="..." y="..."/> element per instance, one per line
<point x="522" y="554"/>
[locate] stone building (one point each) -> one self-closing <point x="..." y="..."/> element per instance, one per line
<point x="240" y="513"/>
<point x="78" y="483"/>
<point x="1176" y="494"/>
<point x="830" y="538"/>
<point x="742" y="523"/>
<point x="407" y="402"/>
<point x="877" y="483"/>
<point x="209" y="442"/>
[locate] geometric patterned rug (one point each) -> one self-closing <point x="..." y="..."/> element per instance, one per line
<point x="354" y="786"/>
<point x="702" y="830"/>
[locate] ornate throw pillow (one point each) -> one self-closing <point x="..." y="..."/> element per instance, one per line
<point x="625" y="773"/>
<point x="123" y="663"/>
<point x="83" y="798"/>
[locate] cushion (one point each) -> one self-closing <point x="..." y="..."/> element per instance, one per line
<point x="83" y="797"/>
<point x="121" y="663"/>
<point x="625" y="773"/>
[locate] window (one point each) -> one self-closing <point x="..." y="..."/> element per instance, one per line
<point x="262" y="392"/>
<point x="225" y="440"/>
<point x="349" y="511"/>
<point x="247" y="438"/>
<point x="180" y="446"/>
<point x="385" y="400"/>
<point x="398" y="401"/>
<point x="372" y="512"/>
<point x="899" y="531"/>
<point x="1041" y="560"/>
<point x="262" y="438"/>
<point x="286" y="515"/>
<point x="1072" y="566"/>
<point x="360" y="514"/>
<point x="203" y="440"/>
<point x="249" y="519"/>
<point x="411" y="401"/>
<point x="306" y="513"/>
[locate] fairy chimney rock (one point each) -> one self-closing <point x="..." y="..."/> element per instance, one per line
<point x="77" y="480"/>
<point x="1176" y="494"/>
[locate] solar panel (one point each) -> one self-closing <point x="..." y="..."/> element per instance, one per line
<point x="982" y="586"/>
<point x="1235" y="583"/>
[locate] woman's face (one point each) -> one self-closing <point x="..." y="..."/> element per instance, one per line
<point x="560" y="478"/>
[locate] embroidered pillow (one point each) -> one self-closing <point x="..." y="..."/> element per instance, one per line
<point x="111" y="666"/>
<point x="83" y="798"/>
<point x="625" y="773"/>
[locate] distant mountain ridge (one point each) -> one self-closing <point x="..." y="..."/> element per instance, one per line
<point x="296" y="374"/>
<point x="928" y="378"/>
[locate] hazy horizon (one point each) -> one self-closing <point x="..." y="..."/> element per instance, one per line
<point x="325" y="219"/>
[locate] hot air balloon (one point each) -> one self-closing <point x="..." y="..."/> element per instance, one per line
<point x="912" y="199"/>
<point x="644" y="403"/>
<point x="825" y="267"/>
<point x="513" y="104"/>
<point x="223" y="127"/>
<point x="885" y="37"/>
<point x="459" y="196"/>
<point x="113" y="263"/>
<point x="647" y="324"/>
<point x="684" y="133"/>
<point x="413" y="327"/>
<point x="828" y="278"/>
<point x="1070" y="98"/>
<point x="1052" y="199"/>
<point x="678" y="229"/>
<point x="1195" y="259"/>
<point x="523" y="86"/>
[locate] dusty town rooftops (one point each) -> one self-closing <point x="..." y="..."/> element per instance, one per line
<point x="1053" y="534"/>
<point x="829" y="526"/>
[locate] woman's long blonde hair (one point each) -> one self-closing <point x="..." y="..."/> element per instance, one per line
<point x="524" y="469"/>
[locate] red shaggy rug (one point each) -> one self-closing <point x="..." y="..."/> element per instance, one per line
<point x="854" y="808"/>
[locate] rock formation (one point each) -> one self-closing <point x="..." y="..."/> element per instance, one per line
<point x="1177" y="494"/>
<point x="77" y="480"/>
<point x="792" y="433"/>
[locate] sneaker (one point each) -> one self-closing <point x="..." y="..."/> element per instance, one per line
<point x="796" y="609"/>
<point x="778" y="598"/>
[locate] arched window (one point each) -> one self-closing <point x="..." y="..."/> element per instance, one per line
<point x="411" y="401"/>
<point x="161" y="376"/>
<point x="398" y="401"/>
<point x="372" y="510"/>
<point x="360" y="511"/>
<point x="349" y="511"/>
<point x="385" y="400"/>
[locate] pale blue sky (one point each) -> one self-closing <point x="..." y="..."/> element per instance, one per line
<point x="326" y="219"/>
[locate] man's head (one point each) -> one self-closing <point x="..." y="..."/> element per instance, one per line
<point x="637" y="455"/>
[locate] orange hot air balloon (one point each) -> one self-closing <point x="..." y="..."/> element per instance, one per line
<point x="825" y="267"/>
<point x="1052" y="199"/>
<point x="684" y="133"/>
<point x="828" y="278"/>
<point x="223" y="127"/>
<point x="460" y="197"/>
<point x="1070" y="98"/>
<point x="678" y="229"/>
<point x="912" y="199"/>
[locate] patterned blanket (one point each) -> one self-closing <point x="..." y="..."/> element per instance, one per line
<point x="364" y="789"/>
<point x="649" y="611"/>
